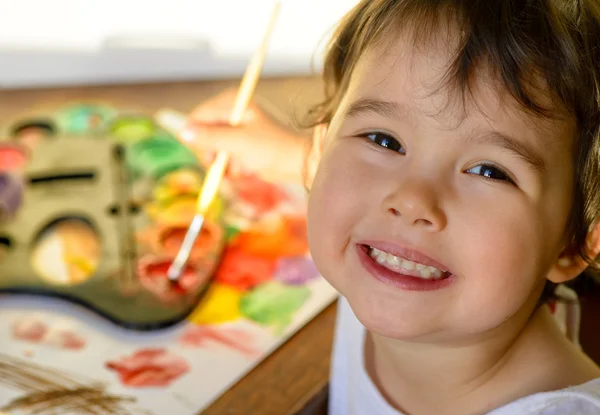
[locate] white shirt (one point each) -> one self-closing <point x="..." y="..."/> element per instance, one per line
<point x="352" y="392"/>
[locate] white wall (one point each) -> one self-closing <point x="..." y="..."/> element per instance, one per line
<point x="59" y="42"/>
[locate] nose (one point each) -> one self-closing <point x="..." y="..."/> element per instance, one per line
<point x="417" y="204"/>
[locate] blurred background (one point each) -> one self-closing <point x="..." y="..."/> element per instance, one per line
<point x="71" y="42"/>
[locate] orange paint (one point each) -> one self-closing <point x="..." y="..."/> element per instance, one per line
<point x="12" y="158"/>
<point x="243" y="270"/>
<point x="170" y="240"/>
<point x="285" y="238"/>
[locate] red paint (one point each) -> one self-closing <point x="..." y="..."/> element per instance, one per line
<point x="29" y="329"/>
<point x="203" y="336"/>
<point x="262" y="196"/>
<point x="153" y="276"/>
<point x="401" y="281"/>
<point x="11" y="158"/>
<point x="172" y="238"/>
<point x="149" y="368"/>
<point x="244" y="270"/>
<point x="65" y="339"/>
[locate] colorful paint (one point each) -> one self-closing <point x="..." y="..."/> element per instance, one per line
<point x="13" y="158"/>
<point x="33" y="329"/>
<point x="220" y="305"/>
<point x="275" y="236"/>
<point x="244" y="270"/>
<point x="180" y="183"/>
<point x="11" y="195"/>
<point x="131" y="129"/>
<point x="230" y="338"/>
<point x="155" y="157"/>
<point x="149" y="368"/>
<point x="152" y="274"/>
<point x="82" y="119"/>
<point x="68" y="252"/>
<point x="260" y="195"/>
<point x="265" y="286"/>
<point x="273" y="304"/>
<point x="296" y="270"/>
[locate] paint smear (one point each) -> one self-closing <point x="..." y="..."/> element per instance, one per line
<point x="68" y="252"/>
<point x="178" y="213"/>
<point x="152" y="273"/>
<point x="84" y="118"/>
<point x="12" y="158"/>
<point x="185" y="182"/>
<point x="11" y="195"/>
<point x="132" y="129"/>
<point x="149" y="368"/>
<point x="244" y="270"/>
<point x="296" y="270"/>
<point x="156" y="157"/>
<point x="33" y="329"/>
<point x="220" y="305"/>
<point x="281" y="236"/>
<point x="171" y="239"/>
<point x="205" y="336"/>
<point x="261" y="195"/>
<point x="30" y="329"/>
<point x="273" y="304"/>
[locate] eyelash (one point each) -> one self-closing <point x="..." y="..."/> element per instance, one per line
<point x="505" y="177"/>
<point x="392" y="142"/>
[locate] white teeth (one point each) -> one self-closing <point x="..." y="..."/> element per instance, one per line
<point x="408" y="265"/>
<point x="393" y="260"/>
<point x="395" y="263"/>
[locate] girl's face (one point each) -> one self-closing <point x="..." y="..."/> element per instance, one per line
<point x="480" y="194"/>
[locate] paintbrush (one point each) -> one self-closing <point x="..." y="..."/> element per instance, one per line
<point x="176" y="122"/>
<point x="247" y="86"/>
<point x="213" y="178"/>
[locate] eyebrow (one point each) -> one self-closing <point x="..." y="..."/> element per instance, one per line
<point x="374" y="106"/>
<point x="509" y="143"/>
<point x="397" y="111"/>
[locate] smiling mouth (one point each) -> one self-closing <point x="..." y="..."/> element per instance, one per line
<point x="404" y="266"/>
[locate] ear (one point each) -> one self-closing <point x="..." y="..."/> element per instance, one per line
<point x="315" y="152"/>
<point x="570" y="265"/>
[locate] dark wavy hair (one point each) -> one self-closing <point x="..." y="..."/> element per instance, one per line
<point x="558" y="41"/>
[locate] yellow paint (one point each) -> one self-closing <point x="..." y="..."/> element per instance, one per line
<point x="221" y="304"/>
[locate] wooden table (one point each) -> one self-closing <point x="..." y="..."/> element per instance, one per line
<point x="293" y="380"/>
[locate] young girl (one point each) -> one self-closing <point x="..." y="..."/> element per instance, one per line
<point x="458" y="184"/>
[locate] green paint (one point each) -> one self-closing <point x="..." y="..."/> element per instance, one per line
<point x="273" y="304"/>
<point x="84" y="118"/>
<point x="131" y="129"/>
<point x="231" y="232"/>
<point x="158" y="156"/>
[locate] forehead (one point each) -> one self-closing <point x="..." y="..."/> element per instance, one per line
<point x="414" y="75"/>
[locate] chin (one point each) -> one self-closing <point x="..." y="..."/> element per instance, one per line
<point x="392" y="321"/>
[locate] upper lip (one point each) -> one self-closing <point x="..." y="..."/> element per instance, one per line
<point x="405" y="253"/>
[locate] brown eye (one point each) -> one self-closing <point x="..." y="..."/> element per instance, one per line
<point x="386" y="141"/>
<point x="490" y="172"/>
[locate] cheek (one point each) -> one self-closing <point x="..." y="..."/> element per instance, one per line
<point x="335" y="207"/>
<point x="507" y="262"/>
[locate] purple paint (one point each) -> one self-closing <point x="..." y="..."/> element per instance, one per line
<point x="296" y="270"/>
<point x="11" y="195"/>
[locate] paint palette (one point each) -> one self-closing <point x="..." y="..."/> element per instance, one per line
<point x="96" y="204"/>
